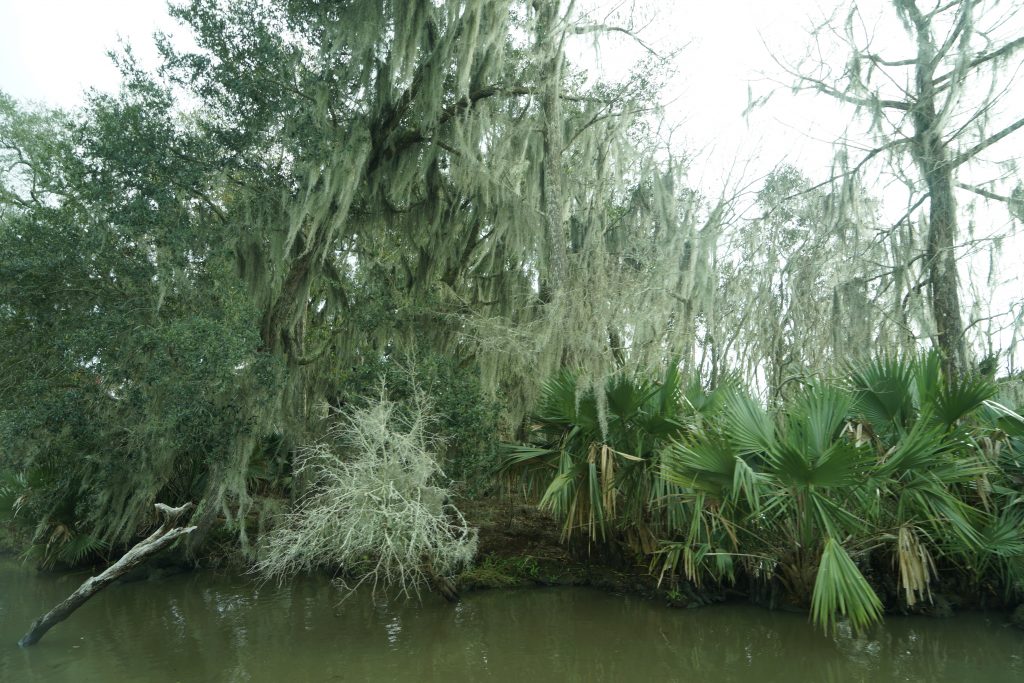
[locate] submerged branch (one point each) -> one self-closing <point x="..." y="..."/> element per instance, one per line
<point x="142" y="551"/>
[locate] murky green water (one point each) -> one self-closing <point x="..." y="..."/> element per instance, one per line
<point x="201" y="627"/>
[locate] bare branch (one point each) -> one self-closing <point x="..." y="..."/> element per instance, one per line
<point x="942" y="8"/>
<point x="832" y="91"/>
<point x="855" y="170"/>
<point x="1004" y="51"/>
<point x="987" y="194"/>
<point x="958" y="29"/>
<point x="909" y="212"/>
<point x="597" y="28"/>
<point x="885" y="62"/>
<point x="986" y="143"/>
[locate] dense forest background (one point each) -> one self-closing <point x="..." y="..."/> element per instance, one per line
<point x="337" y="249"/>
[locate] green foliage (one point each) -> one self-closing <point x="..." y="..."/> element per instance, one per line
<point x="893" y="392"/>
<point x="888" y="467"/>
<point x="315" y="195"/>
<point x="840" y="589"/>
<point x="796" y="294"/>
<point x="594" y="454"/>
<point x="897" y="466"/>
<point x="191" y="265"/>
<point x="125" y="335"/>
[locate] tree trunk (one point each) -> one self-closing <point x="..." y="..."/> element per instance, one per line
<point x="931" y="154"/>
<point x="157" y="541"/>
<point x="943" y="282"/>
<point x="549" y="45"/>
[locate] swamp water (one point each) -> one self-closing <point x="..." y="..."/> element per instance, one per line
<point x="204" y="627"/>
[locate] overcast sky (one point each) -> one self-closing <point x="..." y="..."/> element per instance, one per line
<point x="52" y="50"/>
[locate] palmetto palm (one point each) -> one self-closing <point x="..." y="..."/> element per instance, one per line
<point x="896" y="466"/>
<point x="945" y="459"/>
<point x="781" y="496"/>
<point x="887" y="463"/>
<point x="594" y="455"/>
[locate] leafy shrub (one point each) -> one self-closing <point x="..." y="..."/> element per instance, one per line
<point x="897" y="466"/>
<point x="889" y="465"/>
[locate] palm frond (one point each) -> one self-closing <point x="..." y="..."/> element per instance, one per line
<point x="750" y="428"/>
<point x="841" y="590"/>
<point x="962" y="396"/>
<point x="818" y="416"/>
<point x="710" y="464"/>
<point x="919" y="449"/>
<point x="884" y="391"/>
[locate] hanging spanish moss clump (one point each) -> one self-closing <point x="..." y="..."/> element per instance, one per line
<point x="434" y="174"/>
<point x="809" y="286"/>
<point x="636" y="274"/>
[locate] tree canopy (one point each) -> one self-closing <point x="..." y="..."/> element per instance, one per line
<point x="201" y="272"/>
<point x="316" y="185"/>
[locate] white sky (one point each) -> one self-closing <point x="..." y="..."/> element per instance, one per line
<point x="51" y="50"/>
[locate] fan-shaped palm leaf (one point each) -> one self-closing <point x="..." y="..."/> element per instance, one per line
<point x="841" y="589"/>
<point x="884" y="391"/>
<point x="960" y="397"/>
<point x="749" y="428"/>
<point x="711" y="465"/>
<point x="817" y="416"/>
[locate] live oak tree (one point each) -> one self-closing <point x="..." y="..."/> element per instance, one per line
<point x="382" y="176"/>
<point x="933" y="100"/>
<point x="122" y="324"/>
<point x="420" y="149"/>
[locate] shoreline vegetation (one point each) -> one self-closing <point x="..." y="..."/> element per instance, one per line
<point x="520" y="548"/>
<point x="338" y="273"/>
<point x="891" y="489"/>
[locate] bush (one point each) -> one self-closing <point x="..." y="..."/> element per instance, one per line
<point x="375" y="506"/>
<point x="595" y="453"/>
<point x="896" y="478"/>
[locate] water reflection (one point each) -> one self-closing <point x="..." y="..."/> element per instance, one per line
<point x="207" y="628"/>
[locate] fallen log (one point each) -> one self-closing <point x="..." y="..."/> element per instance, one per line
<point x="140" y="552"/>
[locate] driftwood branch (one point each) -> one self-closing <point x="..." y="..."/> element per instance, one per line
<point x="140" y="552"/>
